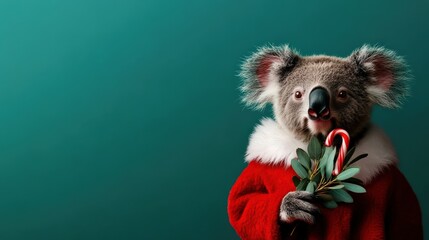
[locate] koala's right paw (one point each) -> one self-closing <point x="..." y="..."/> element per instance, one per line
<point x="296" y="206"/>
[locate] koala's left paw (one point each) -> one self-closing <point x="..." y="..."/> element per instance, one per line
<point x="296" y="205"/>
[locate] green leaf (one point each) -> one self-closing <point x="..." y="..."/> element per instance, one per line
<point x="354" y="187"/>
<point x="325" y="157"/>
<point x="341" y="196"/>
<point x="299" y="169"/>
<point x="317" y="178"/>
<point x="336" y="186"/>
<point x="330" y="164"/>
<point x="302" y="185"/>
<point x="348" y="173"/>
<point x="324" y="196"/>
<point x="310" y="187"/>
<point x="295" y="180"/>
<point x="349" y="156"/>
<point x="358" y="158"/>
<point x="303" y="157"/>
<point x="314" y="148"/>
<point x="330" y="204"/>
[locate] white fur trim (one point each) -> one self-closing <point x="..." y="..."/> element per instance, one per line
<point x="381" y="154"/>
<point x="271" y="144"/>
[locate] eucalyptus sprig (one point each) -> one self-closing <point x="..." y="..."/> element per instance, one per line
<point x="314" y="174"/>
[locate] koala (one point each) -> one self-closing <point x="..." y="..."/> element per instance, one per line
<point x="310" y="96"/>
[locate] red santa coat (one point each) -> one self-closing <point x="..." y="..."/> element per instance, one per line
<point x="388" y="210"/>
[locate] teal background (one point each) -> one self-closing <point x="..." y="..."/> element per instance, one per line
<point x="122" y="119"/>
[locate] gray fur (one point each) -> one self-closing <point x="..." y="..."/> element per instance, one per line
<point x="331" y="73"/>
<point x="251" y="86"/>
<point x="392" y="63"/>
<point x="359" y="74"/>
<point x="296" y="206"/>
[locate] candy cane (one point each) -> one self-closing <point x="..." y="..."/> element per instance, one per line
<point x="344" y="146"/>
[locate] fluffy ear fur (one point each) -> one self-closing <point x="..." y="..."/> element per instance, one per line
<point x="262" y="71"/>
<point x="387" y="73"/>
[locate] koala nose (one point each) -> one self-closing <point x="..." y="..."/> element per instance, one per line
<point x="319" y="104"/>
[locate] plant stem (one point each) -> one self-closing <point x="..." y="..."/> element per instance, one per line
<point x="323" y="185"/>
<point x="314" y="170"/>
<point x="293" y="230"/>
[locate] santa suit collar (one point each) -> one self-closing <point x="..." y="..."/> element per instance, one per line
<point x="271" y="144"/>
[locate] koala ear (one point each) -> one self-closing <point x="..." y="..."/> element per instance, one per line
<point x="262" y="73"/>
<point x="386" y="72"/>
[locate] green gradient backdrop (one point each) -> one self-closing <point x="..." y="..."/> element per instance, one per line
<point x="121" y="119"/>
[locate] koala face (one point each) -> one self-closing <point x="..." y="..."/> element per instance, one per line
<point x="313" y="95"/>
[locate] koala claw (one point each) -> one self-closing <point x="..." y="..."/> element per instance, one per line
<point x="296" y="206"/>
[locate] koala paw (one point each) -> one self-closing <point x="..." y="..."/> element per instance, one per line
<point x="296" y="206"/>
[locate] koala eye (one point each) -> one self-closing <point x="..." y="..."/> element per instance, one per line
<point x="298" y="95"/>
<point x="342" y="94"/>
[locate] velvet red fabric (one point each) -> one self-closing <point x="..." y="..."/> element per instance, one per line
<point x="388" y="210"/>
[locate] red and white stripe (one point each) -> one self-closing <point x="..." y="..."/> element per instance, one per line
<point x="344" y="146"/>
